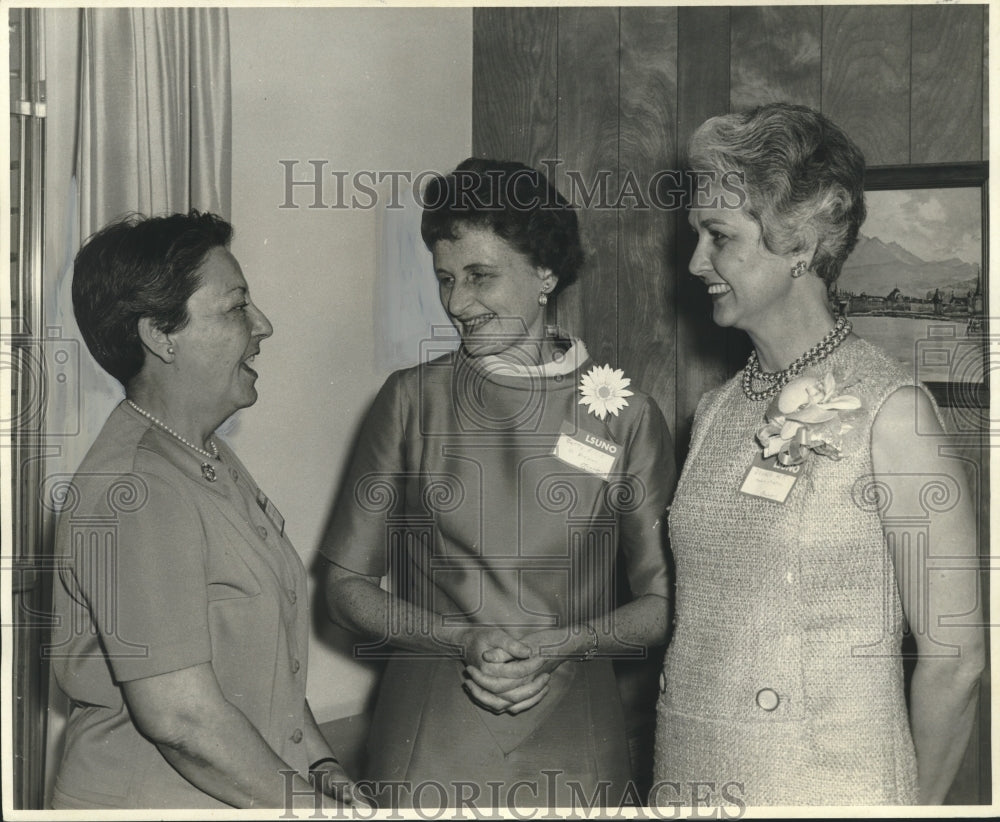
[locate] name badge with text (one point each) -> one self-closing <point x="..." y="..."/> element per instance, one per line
<point x="769" y="480"/>
<point x="586" y="451"/>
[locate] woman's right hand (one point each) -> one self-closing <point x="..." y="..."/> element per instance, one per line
<point x="486" y="651"/>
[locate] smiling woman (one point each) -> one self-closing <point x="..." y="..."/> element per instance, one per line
<point x="491" y="290"/>
<point x="214" y="348"/>
<point x="496" y="487"/>
<point x="738" y="268"/>
<point x="182" y="644"/>
<point x="795" y="575"/>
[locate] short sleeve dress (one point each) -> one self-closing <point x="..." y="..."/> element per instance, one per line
<point x="165" y="565"/>
<point x="456" y="494"/>
<point x="783" y="676"/>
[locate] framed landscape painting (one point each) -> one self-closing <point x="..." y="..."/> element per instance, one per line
<point x="916" y="284"/>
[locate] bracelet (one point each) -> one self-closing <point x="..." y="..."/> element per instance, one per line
<point x="591" y="652"/>
<point x="323" y="761"/>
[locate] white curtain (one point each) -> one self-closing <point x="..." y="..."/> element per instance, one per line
<point x="153" y="135"/>
<point x="155" y="113"/>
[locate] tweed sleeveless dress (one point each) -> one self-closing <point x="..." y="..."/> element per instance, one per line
<point x="783" y="673"/>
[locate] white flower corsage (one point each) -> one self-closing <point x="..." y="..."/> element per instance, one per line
<point x="604" y="389"/>
<point x="807" y="416"/>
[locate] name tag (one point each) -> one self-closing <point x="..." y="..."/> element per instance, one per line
<point x="769" y="480"/>
<point x="586" y="451"/>
<point x="271" y="511"/>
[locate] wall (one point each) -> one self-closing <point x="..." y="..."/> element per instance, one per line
<point x="364" y="89"/>
<point x="618" y="91"/>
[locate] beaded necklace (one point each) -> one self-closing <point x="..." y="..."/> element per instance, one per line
<point x="777" y="380"/>
<point x="207" y="469"/>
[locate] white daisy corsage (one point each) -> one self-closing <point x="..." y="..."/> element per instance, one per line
<point x="604" y="389"/>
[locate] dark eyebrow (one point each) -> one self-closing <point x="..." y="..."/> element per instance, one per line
<point x="467" y="268"/>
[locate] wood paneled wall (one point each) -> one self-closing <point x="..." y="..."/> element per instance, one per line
<point x="618" y="91"/>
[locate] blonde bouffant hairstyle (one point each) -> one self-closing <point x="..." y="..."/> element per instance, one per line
<point x="803" y="178"/>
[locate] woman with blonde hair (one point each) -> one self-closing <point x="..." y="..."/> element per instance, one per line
<point x="784" y="674"/>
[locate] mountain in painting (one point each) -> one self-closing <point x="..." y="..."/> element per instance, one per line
<point x="876" y="268"/>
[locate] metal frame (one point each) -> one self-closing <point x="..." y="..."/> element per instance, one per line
<point x="30" y="589"/>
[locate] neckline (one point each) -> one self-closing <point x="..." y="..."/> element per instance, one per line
<point x="177" y="447"/>
<point x="847" y="346"/>
<point x="556" y="374"/>
<point x="566" y="364"/>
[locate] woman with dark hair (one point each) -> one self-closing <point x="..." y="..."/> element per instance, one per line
<point x="495" y="487"/>
<point x="182" y="620"/>
<point x="795" y="574"/>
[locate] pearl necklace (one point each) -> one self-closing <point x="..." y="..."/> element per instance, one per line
<point x="779" y="379"/>
<point x="213" y="455"/>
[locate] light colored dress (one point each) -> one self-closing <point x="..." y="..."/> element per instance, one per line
<point x="456" y="495"/>
<point x="783" y="673"/>
<point x="163" y="568"/>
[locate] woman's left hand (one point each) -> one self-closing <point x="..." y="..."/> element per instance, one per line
<point x="550" y="648"/>
<point x="332" y="780"/>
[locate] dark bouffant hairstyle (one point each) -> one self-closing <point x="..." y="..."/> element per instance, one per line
<point x="518" y="203"/>
<point x="140" y="267"/>
<point x="800" y="170"/>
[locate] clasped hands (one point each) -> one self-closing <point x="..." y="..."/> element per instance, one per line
<point x="509" y="675"/>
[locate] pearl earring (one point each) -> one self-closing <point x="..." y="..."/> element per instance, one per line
<point x="799" y="269"/>
<point x="543" y="298"/>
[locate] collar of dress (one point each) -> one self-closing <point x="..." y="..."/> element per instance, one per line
<point x="575" y="356"/>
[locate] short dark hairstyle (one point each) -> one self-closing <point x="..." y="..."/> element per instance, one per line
<point x="140" y="267"/>
<point x="800" y="170"/>
<point x="516" y="202"/>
